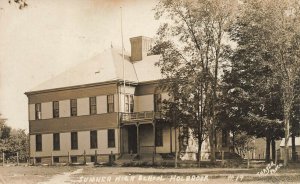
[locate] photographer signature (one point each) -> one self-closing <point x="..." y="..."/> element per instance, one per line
<point x="271" y="168"/>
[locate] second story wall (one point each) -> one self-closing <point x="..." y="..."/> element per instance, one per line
<point x="82" y="108"/>
<point x="144" y="103"/>
<point x="46" y="110"/>
<point x="82" y="97"/>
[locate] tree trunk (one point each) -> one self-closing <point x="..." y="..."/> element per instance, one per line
<point x="288" y="99"/>
<point x="199" y="152"/>
<point x="286" y="146"/>
<point x="273" y="149"/>
<point x="212" y="142"/>
<point x="233" y="141"/>
<point x="176" y="149"/>
<point x="293" y="148"/>
<point x="268" y="141"/>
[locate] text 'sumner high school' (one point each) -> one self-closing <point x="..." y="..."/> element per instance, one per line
<point x="82" y="111"/>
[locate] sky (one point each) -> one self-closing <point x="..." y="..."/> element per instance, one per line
<point x="50" y="36"/>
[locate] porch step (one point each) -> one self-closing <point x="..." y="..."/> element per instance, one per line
<point x="148" y="157"/>
<point x="127" y="157"/>
<point x="143" y="156"/>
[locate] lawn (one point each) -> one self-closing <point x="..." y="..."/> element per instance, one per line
<point x="91" y="174"/>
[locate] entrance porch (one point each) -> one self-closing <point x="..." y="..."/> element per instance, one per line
<point x="146" y="134"/>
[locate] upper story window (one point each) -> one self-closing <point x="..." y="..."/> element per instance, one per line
<point x="38" y="111"/>
<point x="73" y="105"/>
<point x="55" y="109"/>
<point x="157" y="102"/>
<point x="93" y="105"/>
<point x="110" y="103"/>
<point x="129" y="103"/>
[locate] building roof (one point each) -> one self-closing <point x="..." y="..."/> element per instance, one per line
<point x="107" y="66"/>
<point x="297" y="142"/>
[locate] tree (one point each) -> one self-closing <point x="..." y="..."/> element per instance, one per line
<point x="243" y="144"/>
<point x="13" y="141"/>
<point x="193" y="47"/>
<point x="18" y="142"/>
<point x="271" y="29"/>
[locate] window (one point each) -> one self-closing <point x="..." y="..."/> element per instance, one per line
<point x="157" y="102"/>
<point x="56" y="159"/>
<point x="110" y="103"/>
<point x="73" y="159"/>
<point x="126" y="103"/>
<point x="111" y="138"/>
<point x="38" y="159"/>
<point x="55" y="109"/>
<point x="74" y="140"/>
<point x="93" y="158"/>
<point x="73" y="105"/>
<point x="38" y="142"/>
<point x="38" y="111"/>
<point x="93" y="139"/>
<point x="56" y="141"/>
<point x="129" y="104"/>
<point x="158" y="135"/>
<point x="224" y="138"/>
<point x="93" y="105"/>
<point x="184" y="134"/>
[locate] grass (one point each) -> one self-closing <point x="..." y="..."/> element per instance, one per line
<point x="35" y="174"/>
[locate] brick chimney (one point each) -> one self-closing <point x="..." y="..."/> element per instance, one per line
<point x="139" y="47"/>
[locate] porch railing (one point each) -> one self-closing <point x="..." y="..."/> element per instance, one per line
<point x="140" y="116"/>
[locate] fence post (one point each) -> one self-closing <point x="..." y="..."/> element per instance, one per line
<point x="3" y="158"/>
<point x="95" y="161"/>
<point x="17" y="158"/>
<point x="111" y="158"/>
<point x="222" y="157"/>
<point x="84" y="157"/>
<point x="248" y="163"/>
<point x="51" y="158"/>
<point x="176" y="155"/>
<point x="275" y="158"/>
<point x="69" y="158"/>
<point x="153" y="157"/>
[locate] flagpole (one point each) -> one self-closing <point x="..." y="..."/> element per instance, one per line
<point x="123" y="61"/>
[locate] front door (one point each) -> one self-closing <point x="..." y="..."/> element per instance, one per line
<point x="132" y="139"/>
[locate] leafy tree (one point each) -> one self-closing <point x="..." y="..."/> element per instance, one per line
<point x="243" y="144"/>
<point x="269" y="30"/>
<point x="13" y="141"/>
<point x="193" y="47"/>
<point x="18" y="142"/>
